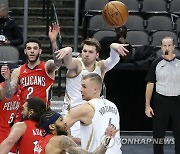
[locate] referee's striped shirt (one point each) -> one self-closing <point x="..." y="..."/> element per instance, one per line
<point x="166" y="76"/>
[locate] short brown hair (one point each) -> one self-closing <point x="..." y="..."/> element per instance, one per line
<point x="92" y="42"/>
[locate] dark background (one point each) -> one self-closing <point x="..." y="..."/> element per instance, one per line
<point x="126" y="88"/>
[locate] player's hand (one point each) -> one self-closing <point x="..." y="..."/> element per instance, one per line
<point x="149" y="111"/>
<point x="111" y="130"/>
<point x="53" y="32"/>
<point x="60" y="54"/>
<point x="120" y="48"/>
<point x="5" y="72"/>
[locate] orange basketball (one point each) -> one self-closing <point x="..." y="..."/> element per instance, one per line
<point x="115" y="13"/>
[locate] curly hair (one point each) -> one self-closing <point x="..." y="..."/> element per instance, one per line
<point x="38" y="106"/>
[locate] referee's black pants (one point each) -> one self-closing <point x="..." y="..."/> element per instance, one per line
<point x="165" y="108"/>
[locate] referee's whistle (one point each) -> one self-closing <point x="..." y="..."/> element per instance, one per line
<point x="166" y="52"/>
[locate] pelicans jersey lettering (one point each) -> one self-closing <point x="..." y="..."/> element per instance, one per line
<point x="41" y="145"/>
<point x="35" y="82"/>
<point x="30" y="137"/>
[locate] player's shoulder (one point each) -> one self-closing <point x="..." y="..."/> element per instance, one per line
<point x="77" y="61"/>
<point x="20" y="125"/>
<point x="16" y="71"/>
<point x="59" y="139"/>
<point x="49" y="61"/>
<point x="84" y="108"/>
<point x="109" y="102"/>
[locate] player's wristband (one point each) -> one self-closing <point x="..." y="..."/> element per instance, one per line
<point x="106" y="142"/>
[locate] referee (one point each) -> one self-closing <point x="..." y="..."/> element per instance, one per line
<point x="163" y="89"/>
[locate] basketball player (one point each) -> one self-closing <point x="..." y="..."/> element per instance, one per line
<point x="26" y="133"/>
<point x="56" y="140"/>
<point x="78" y="67"/>
<point x="8" y="111"/>
<point x="94" y="115"/>
<point x="35" y="77"/>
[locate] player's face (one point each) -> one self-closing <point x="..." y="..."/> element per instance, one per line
<point x="89" y="54"/>
<point x="167" y="45"/>
<point x="88" y="89"/>
<point x="61" y="126"/>
<point x="32" y="51"/>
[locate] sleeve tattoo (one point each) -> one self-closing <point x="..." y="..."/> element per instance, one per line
<point x="57" y="62"/>
<point x="71" y="147"/>
<point x="10" y="87"/>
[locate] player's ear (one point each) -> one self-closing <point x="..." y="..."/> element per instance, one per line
<point x="40" y="51"/>
<point x="31" y="111"/>
<point x="51" y="126"/>
<point x="25" y="51"/>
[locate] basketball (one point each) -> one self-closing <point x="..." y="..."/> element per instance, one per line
<point x="115" y="13"/>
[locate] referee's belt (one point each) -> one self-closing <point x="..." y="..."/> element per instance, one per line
<point x="170" y="97"/>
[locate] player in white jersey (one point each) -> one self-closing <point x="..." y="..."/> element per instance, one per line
<point x="94" y="115"/>
<point x="73" y="88"/>
<point x="77" y="67"/>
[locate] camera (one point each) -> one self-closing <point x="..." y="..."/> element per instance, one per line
<point x="2" y="38"/>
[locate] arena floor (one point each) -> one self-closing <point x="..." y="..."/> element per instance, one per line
<point x="141" y="143"/>
<point x="145" y="149"/>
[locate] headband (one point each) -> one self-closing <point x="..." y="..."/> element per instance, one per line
<point x="51" y="121"/>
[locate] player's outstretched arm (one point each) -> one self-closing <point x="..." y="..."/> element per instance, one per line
<point x="116" y="51"/>
<point x="71" y="147"/>
<point x="54" y="30"/>
<point x="120" y="48"/>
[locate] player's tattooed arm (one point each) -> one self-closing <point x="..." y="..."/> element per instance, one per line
<point x="71" y="147"/>
<point x="11" y="84"/>
<point x="54" y="30"/>
<point x="57" y="62"/>
<point x="2" y="94"/>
